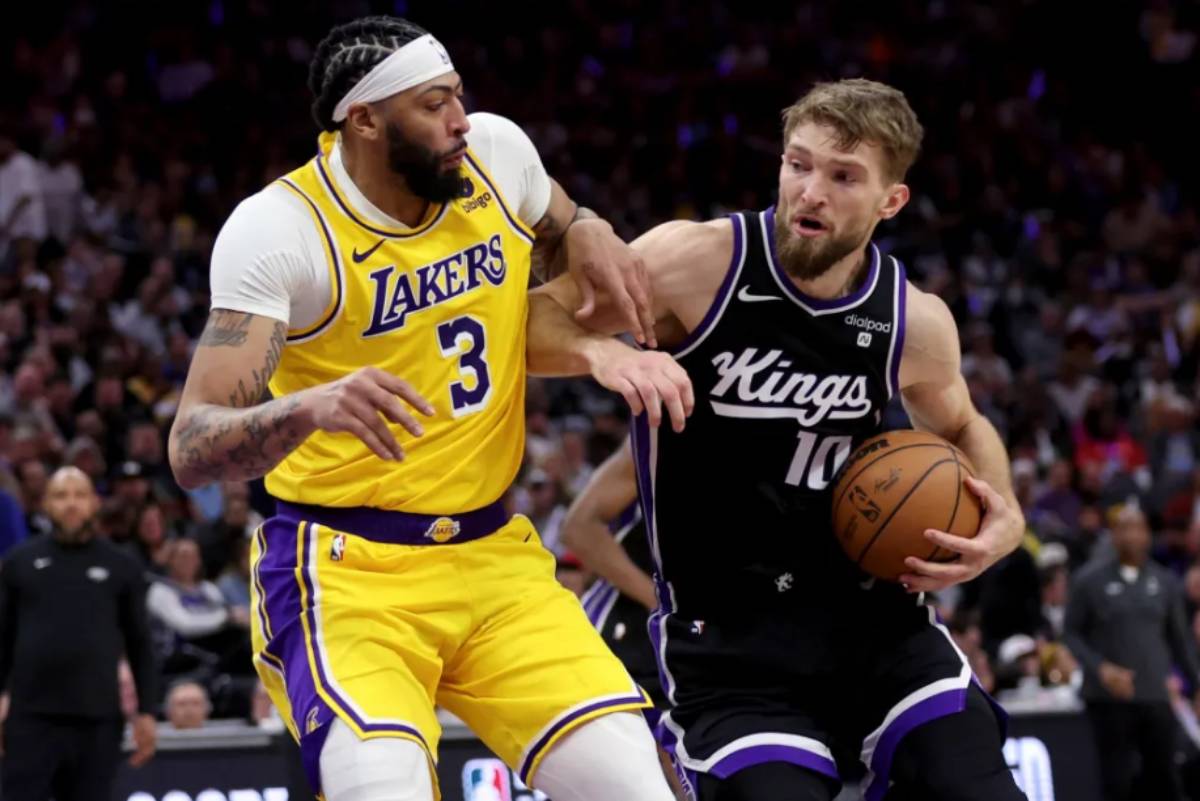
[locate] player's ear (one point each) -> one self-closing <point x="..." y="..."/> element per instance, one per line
<point x="895" y="199"/>
<point x="365" y="121"/>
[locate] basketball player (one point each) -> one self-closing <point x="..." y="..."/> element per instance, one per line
<point x="390" y="274"/>
<point x="796" y="330"/>
<point x="604" y="528"/>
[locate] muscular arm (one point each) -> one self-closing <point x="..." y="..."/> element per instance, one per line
<point x="937" y="400"/>
<point x="585" y="532"/>
<point x="224" y="431"/>
<point x="549" y="250"/>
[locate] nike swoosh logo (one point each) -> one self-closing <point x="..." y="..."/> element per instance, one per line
<point x="744" y="295"/>
<point x="359" y="258"/>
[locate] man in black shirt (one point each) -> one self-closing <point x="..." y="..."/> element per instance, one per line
<point x="1125" y="624"/>
<point x="69" y="606"/>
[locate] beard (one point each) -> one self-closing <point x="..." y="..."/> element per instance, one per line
<point x="421" y="167"/>
<point x="806" y="258"/>
<point x="76" y="535"/>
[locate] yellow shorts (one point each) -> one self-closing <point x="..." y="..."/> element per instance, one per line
<point x="377" y="633"/>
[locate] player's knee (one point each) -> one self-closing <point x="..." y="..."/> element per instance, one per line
<point x="610" y="757"/>
<point x="382" y="769"/>
<point x="769" y="781"/>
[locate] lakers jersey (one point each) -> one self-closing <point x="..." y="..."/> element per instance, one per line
<point x="443" y="306"/>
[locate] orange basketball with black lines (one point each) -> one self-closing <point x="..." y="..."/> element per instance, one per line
<point x="895" y="487"/>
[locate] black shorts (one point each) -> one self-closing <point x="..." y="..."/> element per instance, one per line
<point x="755" y="690"/>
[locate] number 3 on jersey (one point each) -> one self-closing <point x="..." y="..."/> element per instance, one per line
<point x="466" y="338"/>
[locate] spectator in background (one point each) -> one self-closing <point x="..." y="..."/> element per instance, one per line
<point x="188" y="706"/>
<point x="546" y="508"/>
<point x="22" y="211"/>
<point x="234" y="581"/>
<point x="201" y="630"/>
<point x="1125" y="624"/>
<point x="62" y="191"/>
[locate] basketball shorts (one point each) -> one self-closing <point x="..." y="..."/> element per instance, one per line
<point x="353" y="618"/>
<point x="622" y="623"/>
<point x="747" y="692"/>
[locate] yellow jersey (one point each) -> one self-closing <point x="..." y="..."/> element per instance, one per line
<point x="443" y="306"/>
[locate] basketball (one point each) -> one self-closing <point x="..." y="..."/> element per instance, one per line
<point x="895" y="487"/>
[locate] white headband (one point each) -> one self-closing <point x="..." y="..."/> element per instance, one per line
<point x="415" y="63"/>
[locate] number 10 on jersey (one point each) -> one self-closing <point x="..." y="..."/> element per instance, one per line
<point x="466" y="338"/>
<point x="819" y="457"/>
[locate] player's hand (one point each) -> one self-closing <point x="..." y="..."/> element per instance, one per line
<point x="1117" y="680"/>
<point x="999" y="533"/>
<point x="648" y="380"/>
<point x="145" y="740"/>
<point x="598" y="260"/>
<point x="359" y="404"/>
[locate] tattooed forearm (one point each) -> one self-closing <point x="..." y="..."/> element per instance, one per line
<point x="550" y="248"/>
<point x="249" y="434"/>
<point x="220" y="444"/>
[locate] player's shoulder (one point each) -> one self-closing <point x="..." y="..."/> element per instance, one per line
<point x="267" y="220"/>
<point x="1092" y="572"/>
<point x="493" y="135"/>
<point x="930" y="329"/>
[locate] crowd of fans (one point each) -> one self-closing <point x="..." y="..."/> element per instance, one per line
<point x="1049" y="210"/>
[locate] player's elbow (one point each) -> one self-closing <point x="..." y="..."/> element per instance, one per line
<point x="185" y="476"/>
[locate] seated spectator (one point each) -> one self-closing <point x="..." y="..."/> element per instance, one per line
<point x="199" y="631"/>
<point x="188" y="706"/>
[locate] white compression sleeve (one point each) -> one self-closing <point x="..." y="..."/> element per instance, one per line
<point x="611" y="757"/>
<point x="383" y="769"/>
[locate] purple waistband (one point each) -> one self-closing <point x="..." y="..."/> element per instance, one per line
<point x="400" y="528"/>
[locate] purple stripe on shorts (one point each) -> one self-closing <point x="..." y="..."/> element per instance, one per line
<point x="567" y="720"/>
<point x="773" y="752"/>
<point x="932" y="708"/>
<point x="670" y="744"/>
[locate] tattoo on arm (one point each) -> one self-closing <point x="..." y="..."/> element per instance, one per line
<point x="549" y="249"/>
<point x="248" y="437"/>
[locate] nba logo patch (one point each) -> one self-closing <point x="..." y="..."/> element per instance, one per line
<point x="486" y="780"/>
<point x="443" y="529"/>
<point x="864" y="339"/>
<point x="338" y="549"/>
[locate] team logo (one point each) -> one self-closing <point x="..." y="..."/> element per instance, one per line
<point x="97" y="573"/>
<point x="486" y="780"/>
<point x="443" y="529"/>
<point x="337" y="549"/>
<point x="311" y="723"/>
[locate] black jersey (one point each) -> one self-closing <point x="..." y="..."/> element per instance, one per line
<point x="738" y="505"/>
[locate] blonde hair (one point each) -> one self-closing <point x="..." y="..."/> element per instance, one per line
<point x="862" y="111"/>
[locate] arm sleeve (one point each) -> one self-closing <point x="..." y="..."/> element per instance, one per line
<point x="264" y="261"/>
<point x="136" y="630"/>
<point x="510" y="156"/>
<point x="1076" y="627"/>
<point x="164" y="603"/>
<point x="1180" y="639"/>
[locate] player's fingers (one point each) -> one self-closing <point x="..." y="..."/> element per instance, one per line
<point x="952" y="542"/>
<point x="380" y="441"/>
<point x="587" y="301"/>
<point x="992" y="500"/>
<point x="951" y="572"/>
<point x="401" y="388"/>
<point x="626" y="307"/>
<point x="670" y="395"/>
<point x="639" y="289"/>
<point x="630" y="393"/>
<point x="394" y="410"/>
<point x="684" y="382"/>
<point x="650" y="398"/>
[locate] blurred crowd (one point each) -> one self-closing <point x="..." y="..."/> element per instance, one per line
<point x="1050" y="210"/>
